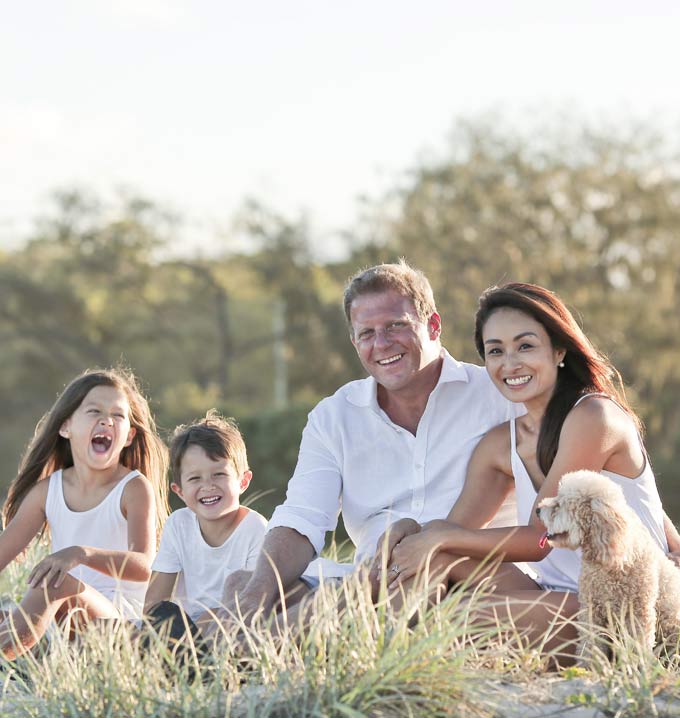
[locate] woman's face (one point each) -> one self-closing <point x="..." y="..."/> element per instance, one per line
<point x="520" y="357"/>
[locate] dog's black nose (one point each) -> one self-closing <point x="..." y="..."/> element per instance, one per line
<point x="538" y="511"/>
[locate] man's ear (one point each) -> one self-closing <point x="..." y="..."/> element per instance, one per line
<point x="434" y="326"/>
<point x="246" y="478"/>
<point x="177" y="490"/>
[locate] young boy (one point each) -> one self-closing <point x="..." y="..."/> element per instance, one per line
<point x="214" y="535"/>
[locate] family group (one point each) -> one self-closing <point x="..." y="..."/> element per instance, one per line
<point x="435" y="464"/>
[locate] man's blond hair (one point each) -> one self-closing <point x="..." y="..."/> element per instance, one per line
<point x="398" y="276"/>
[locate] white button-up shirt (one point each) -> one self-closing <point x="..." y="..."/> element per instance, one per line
<point x="352" y="455"/>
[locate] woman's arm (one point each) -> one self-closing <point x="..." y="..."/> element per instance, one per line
<point x="132" y="565"/>
<point x="29" y="519"/>
<point x="589" y="437"/>
<point x="488" y="480"/>
<point x="672" y="539"/>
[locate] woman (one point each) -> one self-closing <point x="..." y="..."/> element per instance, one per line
<point x="577" y="418"/>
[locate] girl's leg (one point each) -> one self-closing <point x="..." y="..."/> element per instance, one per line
<point x="29" y="621"/>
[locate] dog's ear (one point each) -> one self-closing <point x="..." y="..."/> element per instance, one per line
<point x="605" y="541"/>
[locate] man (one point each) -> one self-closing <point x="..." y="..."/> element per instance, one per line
<point x="392" y="446"/>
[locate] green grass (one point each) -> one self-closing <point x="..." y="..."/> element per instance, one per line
<point x="361" y="661"/>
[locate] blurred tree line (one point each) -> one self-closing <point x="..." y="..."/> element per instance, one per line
<point x="260" y="334"/>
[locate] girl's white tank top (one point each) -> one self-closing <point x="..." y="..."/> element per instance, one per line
<point x="102" y="526"/>
<point x="560" y="569"/>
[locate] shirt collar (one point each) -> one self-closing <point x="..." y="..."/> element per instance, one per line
<point x="365" y="391"/>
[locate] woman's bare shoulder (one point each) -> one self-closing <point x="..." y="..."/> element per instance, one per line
<point x="597" y="413"/>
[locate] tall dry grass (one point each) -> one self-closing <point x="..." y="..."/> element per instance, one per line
<point x="364" y="660"/>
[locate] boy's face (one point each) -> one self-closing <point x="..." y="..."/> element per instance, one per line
<point x="209" y="487"/>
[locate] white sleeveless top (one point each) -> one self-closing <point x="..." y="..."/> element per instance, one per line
<point x="560" y="569"/>
<point x="102" y="526"/>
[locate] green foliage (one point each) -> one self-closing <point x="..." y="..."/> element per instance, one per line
<point x="592" y="214"/>
<point x="272" y="439"/>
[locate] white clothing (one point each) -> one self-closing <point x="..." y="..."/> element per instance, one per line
<point x="560" y="569"/>
<point x="204" y="568"/>
<point x="102" y="526"/>
<point x="352" y="453"/>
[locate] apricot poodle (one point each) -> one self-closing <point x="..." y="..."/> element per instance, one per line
<point x="626" y="581"/>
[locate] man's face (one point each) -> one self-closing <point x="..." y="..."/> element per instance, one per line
<point x="392" y="343"/>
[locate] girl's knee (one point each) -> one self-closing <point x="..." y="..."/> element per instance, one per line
<point x="69" y="588"/>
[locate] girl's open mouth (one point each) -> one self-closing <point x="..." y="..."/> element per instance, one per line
<point x="101" y="443"/>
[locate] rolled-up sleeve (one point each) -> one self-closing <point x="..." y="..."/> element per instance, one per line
<point x="312" y="500"/>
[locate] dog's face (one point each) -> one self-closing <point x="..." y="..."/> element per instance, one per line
<point x="589" y="512"/>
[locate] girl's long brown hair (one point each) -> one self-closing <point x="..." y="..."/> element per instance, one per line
<point x="585" y="370"/>
<point x="49" y="451"/>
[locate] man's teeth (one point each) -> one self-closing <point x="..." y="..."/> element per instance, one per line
<point x="210" y="501"/>
<point x="391" y="360"/>
<point x="517" y="380"/>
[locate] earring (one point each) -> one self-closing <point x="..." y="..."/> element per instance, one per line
<point x="561" y="364"/>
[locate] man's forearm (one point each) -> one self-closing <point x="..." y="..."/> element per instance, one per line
<point x="284" y="556"/>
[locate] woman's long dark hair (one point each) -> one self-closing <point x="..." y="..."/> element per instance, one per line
<point x="49" y="451"/>
<point x="585" y="369"/>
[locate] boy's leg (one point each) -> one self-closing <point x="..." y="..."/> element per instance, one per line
<point x="28" y="622"/>
<point x="170" y="618"/>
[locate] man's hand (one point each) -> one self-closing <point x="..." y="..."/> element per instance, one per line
<point x="395" y="533"/>
<point x="284" y="556"/>
<point x="413" y="552"/>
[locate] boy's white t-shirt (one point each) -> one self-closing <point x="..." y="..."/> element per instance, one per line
<point x="204" y="568"/>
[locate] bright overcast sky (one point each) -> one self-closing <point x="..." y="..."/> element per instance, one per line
<point x="302" y="104"/>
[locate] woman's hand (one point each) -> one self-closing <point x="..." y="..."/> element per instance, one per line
<point x="395" y="533"/>
<point x="412" y="553"/>
<point x="53" y="569"/>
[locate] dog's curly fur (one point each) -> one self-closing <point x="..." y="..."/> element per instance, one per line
<point x="626" y="580"/>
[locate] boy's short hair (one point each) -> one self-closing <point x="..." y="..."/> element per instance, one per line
<point x="399" y="276"/>
<point x="217" y="435"/>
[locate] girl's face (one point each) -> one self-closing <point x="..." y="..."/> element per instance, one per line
<point x="99" y="429"/>
<point x="520" y="357"/>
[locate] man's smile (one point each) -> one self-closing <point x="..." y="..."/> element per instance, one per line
<point x="390" y="360"/>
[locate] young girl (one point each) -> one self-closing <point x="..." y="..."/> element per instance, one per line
<point x="577" y="418"/>
<point x="95" y="474"/>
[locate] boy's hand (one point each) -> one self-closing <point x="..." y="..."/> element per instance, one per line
<point x="53" y="569"/>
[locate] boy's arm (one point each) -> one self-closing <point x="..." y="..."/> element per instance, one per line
<point x="161" y="588"/>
